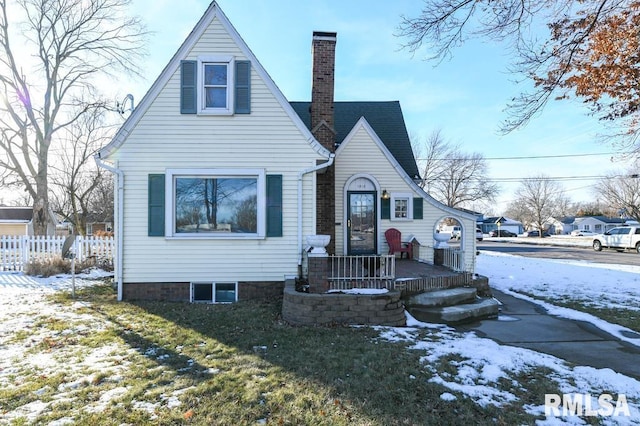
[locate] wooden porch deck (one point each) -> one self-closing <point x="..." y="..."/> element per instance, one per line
<point x="408" y="268"/>
<point x="414" y="277"/>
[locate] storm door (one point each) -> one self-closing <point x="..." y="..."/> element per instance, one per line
<point x="361" y="222"/>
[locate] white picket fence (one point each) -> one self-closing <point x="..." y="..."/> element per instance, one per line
<point x="17" y="251"/>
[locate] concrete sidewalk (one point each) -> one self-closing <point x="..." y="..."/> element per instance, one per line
<point x="524" y="324"/>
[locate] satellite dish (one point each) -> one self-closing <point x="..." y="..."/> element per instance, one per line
<point x="122" y="107"/>
<point x="66" y="247"/>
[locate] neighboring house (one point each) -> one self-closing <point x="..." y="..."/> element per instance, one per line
<point x="16" y="221"/>
<point x="597" y="224"/>
<point x="488" y="224"/>
<point x="561" y="226"/>
<point x="220" y="178"/>
<point x="19" y="221"/>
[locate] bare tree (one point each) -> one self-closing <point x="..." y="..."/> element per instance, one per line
<point x="452" y="176"/>
<point x="48" y="76"/>
<point x="590" y="50"/>
<point x="536" y="200"/>
<point x="592" y="208"/>
<point x="622" y="192"/>
<point x="77" y="183"/>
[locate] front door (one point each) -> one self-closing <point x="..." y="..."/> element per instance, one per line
<point x="361" y="222"/>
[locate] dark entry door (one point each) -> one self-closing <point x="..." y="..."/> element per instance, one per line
<point x="361" y="222"/>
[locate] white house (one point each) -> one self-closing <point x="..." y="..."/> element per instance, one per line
<point x="220" y="178"/>
<point x="597" y="224"/>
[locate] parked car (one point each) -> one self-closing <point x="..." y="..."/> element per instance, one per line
<point x="455" y="231"/>
<point x="620" y="238"/>
<point x="582" y="233"/>
<point x="536" y="233"/>
<point x="502" y="233"/>
<point x="479" y="235"/>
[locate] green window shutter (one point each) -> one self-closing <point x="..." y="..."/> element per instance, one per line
<point x="188" y="87"/>
<point x="243" y="87"/>
<point x="156" y="205"/>
<point x="417" y="207"/>
<point x="385" y="208"/>
<point x="274" y="206"/>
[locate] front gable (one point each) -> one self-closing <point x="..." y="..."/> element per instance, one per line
<point x="363" y="151"/>
<point x="207" y="184"/>
<point x="181" y="89"/>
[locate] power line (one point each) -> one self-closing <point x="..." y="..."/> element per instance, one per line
<point x="532" y="157"/>
<point x="548" y="178"/>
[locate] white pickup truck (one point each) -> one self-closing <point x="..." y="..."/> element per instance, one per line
<point x="620" y="238"/>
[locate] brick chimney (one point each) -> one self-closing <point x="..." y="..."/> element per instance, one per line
<point x="322" y="127"/>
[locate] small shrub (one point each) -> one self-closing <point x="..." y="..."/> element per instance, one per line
<point x="103" y="234"/>
<point x="48" y="267"/>
<point x="57" y="265"/>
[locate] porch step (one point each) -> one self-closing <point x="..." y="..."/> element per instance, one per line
<point x="465" y="312"/>
<point x="448" y="297"/>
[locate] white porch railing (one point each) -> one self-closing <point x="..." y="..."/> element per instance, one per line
<point x="454" y="259"/>
<point x="346" y="272"/>
<point x="17" y="251"/>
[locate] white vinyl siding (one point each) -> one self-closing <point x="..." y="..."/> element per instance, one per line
<point x="362" y="155"/>
<point x="164" y="139"/>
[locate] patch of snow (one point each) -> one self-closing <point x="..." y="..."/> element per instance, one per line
<point x="446" y="396"/>
<point x="361" y="291"/>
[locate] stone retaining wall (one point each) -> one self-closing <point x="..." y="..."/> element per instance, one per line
<point x="338" y="308"/>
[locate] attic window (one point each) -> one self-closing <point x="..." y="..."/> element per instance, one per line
<point x="215" y="83"/>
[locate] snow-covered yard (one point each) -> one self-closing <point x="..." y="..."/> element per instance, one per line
<point x="477" y="368"/>
<point x="484" y="361"/>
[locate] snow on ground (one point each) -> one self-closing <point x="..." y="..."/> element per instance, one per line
<point x="485" y="361"/>
<point x="478" y="367"/>
<point x="594" y="284"/>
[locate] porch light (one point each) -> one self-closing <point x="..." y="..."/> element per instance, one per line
<point x="385" y="194"/>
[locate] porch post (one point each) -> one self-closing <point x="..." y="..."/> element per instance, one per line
<point x="318" y="272"/>
<point x="438" y="256"/>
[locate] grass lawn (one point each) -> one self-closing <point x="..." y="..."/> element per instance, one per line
<point x="237" y="364"/>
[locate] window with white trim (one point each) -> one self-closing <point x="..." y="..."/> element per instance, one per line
<point x="216" y="292"/>
<point x="215" y="203"/>
<point x="402" y="206"/>
<point x="215" y="84"/>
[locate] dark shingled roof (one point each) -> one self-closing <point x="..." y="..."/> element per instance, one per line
<point x="385" y="118"/>
<point x="604" y="219"/>
<point x="16" y="214"/>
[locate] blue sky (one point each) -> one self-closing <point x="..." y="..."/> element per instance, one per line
<point x="464" y="98"/>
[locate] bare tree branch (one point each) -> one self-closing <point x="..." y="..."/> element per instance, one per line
<point x="536" y="200"/>
<point x="590" y="49"/>
<point x="453" y="177"/>
<point x="67" y="44"/>
<point x="622" y="193"/>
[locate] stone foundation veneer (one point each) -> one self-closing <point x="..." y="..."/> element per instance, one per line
<point x="338" y="308"/>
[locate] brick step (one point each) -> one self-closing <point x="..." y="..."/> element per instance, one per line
<point x="465" y="312"/>
<point x="448" y="297"/>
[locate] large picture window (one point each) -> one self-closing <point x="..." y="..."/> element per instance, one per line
<point x="216" y="203"/>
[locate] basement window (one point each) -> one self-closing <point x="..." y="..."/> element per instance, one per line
<point x="216" y="292"/>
